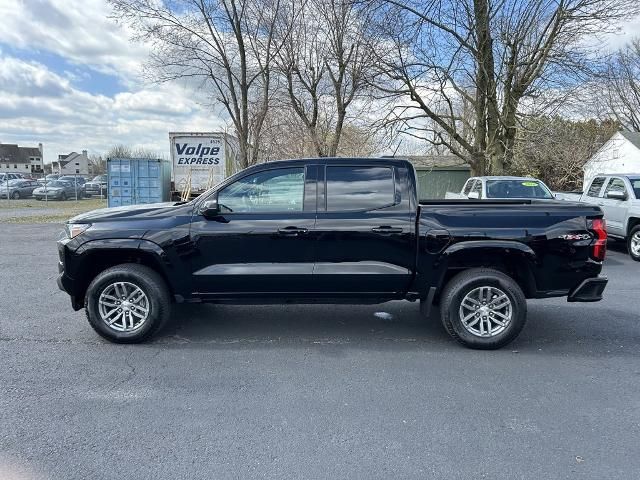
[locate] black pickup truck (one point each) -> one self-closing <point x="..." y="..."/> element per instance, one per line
<point x="332" y="231"/>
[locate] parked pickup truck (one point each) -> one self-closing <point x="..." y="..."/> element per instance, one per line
<point x="502" y="187"/>
<point x="619" y="198"/>
<point x="332" y="231"/>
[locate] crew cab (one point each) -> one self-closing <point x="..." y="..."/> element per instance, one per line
<point x="332" y="230"/>
<point x="619" y="197"/>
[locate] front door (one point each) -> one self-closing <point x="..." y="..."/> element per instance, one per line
<point x="364" y="231"/>
<point x="614" y="209"/>
<point x="262" y="242"/>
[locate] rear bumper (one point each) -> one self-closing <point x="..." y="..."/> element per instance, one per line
<point x="590" y="290"/>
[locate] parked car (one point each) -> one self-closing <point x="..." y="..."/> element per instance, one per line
<point x="499" y="187"/>
<point x="332" y="230"/>
<point x="55" y="190"/>
<point x="97" y="186"/>
<point x="619" y="197"/>
<point x="75" y="179"/>
<point x="17" y="188"/>
<point x="9" y="176"/>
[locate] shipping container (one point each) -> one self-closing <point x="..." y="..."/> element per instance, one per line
<point x="200" y="160"/>
<point x="134" y="181"/>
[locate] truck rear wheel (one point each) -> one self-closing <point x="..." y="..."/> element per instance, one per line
<point x="127" y="303"/>
<point x="483" y="308"/>
<point x="633" y="243"/>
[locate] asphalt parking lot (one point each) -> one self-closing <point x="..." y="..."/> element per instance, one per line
<point x="312" y="391"/>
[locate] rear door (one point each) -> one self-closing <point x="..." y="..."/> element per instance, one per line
<point x="364" y="230"/>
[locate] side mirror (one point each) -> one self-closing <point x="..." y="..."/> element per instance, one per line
<point x="473" y="195"/>
<point x="210" y="208"/>
<point x="617" y="195"/>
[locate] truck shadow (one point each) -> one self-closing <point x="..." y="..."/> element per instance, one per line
<point x="552" y="327"/>
<point x="394" y="323"/>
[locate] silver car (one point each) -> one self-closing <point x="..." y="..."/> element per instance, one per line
<point x="18" y="188"/>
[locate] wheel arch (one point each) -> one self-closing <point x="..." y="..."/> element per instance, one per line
<point x="514" y="259"/>
<point x="96" y="256"/>
<point x="632" y="222"/>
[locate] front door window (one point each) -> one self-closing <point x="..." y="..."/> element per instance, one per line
<point x="278" y="190"/>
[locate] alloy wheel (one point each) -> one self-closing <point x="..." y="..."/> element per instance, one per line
<point x="486" y="311"/>
<point x="123" y="306"/>
<point x="634" y="245"/>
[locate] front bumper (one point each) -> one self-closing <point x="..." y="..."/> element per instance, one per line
<point x="590" y="290"/>
<point x="95" y="188"/>
<point x="64" y="281"/>
<point x="41" y="196"/>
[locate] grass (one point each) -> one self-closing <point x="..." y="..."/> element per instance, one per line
<point x="54" y="211"/>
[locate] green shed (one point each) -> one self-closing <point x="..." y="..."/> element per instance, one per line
<point x="439" y="174"/>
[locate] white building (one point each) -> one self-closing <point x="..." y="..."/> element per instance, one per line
<point x="72" y="164"/>
<point x="17" y="159"/>
<point x="620" y="154"/>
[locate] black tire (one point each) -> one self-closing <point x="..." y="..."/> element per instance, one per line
<point x="466" y="282"/>
<point x="16" y="195"/>
<point x="150" y="282"/>
<point x="63" y="196"/>
<point x="634" y="231"/>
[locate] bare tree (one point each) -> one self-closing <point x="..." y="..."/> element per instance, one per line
<point x="286" y="136"/>
<point x="463" y="70"/>
<point x="555" y="149"/>
<point x="97" y="164"/>
<point x="324" y="63"/>
<point x="227" y="46"/>
<point x="622" y="86"/>
<point x="130" y="151"/>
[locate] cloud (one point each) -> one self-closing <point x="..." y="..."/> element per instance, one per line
<point x="52" y="94"/>
<point x="39" y="105"/>
<point x="79" y="31"/>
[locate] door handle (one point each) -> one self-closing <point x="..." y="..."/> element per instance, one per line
<point x="292" y="231"/>
<point x="386" y="229"/>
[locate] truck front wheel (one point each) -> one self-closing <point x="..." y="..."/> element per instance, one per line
<point x="483" y="308"/>
<point x="127" y="303"/>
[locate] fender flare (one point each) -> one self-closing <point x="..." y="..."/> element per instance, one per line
<point x="476" y="247"/>
<point x="123" y="243"/>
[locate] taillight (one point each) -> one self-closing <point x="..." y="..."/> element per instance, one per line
<point x="599" y="248"/>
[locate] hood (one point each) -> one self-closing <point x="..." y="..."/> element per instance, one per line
<point x="146" y="211"/>
<point x="48" y="189"/>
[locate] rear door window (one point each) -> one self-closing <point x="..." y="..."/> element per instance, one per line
<point x="596" y="186"/>
<point x="359" y="188"/>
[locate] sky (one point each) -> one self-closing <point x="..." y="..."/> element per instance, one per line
<point x="70" y="78"/>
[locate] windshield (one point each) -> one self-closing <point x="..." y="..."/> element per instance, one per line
<point x="100" y="178"/>
<point x="57" y="183"/>
<point x="517" y="189"/>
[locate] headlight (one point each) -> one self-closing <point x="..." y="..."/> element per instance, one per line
<point x="75" y="229"/>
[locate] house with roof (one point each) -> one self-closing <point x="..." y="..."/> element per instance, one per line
<point x="619" y="154"/>
<point x="17" y="159"/>
<point x="72" y="164"/>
